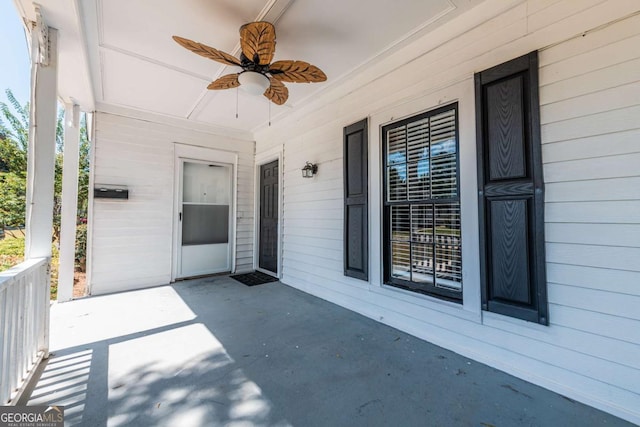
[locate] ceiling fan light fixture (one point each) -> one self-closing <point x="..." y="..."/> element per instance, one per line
<point x="260" y="76"/>
<point x="253" y="83"/>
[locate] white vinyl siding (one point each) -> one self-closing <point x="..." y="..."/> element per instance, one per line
<point x="131" y="240"/>
<point x="590" y="110"/>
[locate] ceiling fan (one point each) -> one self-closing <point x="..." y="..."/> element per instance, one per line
<point x="258" y="75"/>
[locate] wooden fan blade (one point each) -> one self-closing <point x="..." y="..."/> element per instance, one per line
<point x="225" y="82"/>
<point x="296" y="72"/>
<point x="258" y="42"/>
<point x="207" y="51"/>
<point x="277" y="92"/>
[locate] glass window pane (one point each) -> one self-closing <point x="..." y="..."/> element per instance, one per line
<point x="443" y="156"/>
<point x="204" y="183"/>
<point x="422" y="223"/>
<point x="443" y="127"/>
<point x="422" y="263"/>
<point x="205" y="224"/>
<point x="400" y="260"/>
<point x="400" y="223"/>
<point x="418" y="140"/>
<point x="419" y="180"/>
<point x="448" y="246"/>
<point x="396" y="146"/>
<point x="397" y="183"/>
<point x="444" y="177"/>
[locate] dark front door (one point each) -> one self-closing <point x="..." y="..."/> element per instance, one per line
<point x="268" y="256"/>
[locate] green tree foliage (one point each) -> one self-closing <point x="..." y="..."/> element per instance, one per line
<point x="83" y="173"/>
<point x="12" y="200"/>
<point x="14" y="141"/>
<point x="14" y="121"/>
<point x="81" y="247"/>
<point x="12" y="158"/>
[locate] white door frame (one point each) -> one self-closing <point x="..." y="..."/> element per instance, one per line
<point x="275" y="153"/>
<point x="183" y="152"/>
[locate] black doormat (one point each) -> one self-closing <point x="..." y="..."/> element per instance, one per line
<point x="253" y="279"/>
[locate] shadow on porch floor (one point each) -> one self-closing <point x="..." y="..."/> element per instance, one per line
<point x="215" y="352"/>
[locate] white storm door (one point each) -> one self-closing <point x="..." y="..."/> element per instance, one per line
<point x="205" y="216"/>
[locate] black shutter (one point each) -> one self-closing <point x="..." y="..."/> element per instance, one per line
<point x="511" y="190"/>
<point x="356" y="229"/>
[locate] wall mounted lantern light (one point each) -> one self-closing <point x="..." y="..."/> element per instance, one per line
<point x="309" y="170"/>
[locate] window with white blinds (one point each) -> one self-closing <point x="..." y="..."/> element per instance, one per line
<point x="422" y="204"/>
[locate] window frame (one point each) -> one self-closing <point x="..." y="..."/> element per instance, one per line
<point x="422" y="288"/>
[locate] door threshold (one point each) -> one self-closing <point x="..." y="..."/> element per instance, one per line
<point x="201" y="276"/>
<point x="270" y="273"/>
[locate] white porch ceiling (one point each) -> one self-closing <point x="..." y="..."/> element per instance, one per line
<point x="133" y="64"/>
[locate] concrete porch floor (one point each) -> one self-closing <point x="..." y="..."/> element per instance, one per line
<point x="213" y="352"/>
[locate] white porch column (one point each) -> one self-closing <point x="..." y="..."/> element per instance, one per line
<point x="69" y="202"/>
<point x="42" y="142"/>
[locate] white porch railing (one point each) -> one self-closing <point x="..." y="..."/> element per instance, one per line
<point x="24" y="325"/>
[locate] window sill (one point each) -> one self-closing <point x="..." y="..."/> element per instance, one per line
<point x="427" y="302"/>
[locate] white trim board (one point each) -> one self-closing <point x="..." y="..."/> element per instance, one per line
<point x="182" y="123"/>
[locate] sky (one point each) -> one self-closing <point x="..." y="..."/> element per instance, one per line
<point x="14" y="54"/>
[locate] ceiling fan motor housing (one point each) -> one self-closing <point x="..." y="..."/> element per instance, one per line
<point x="249" y="65"/>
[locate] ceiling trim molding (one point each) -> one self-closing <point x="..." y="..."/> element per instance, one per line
<point x="154" y="61"/>
<point x="197" y="106"/>
<point x="89" y="13"/>
<point x="101" y="68"/>
<point x="23" y="15"/>
<point x="273" y="10"/>
<point x="100" y="26"/>
<point x="85" y="54"/>
<point x="119" y="110"/>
